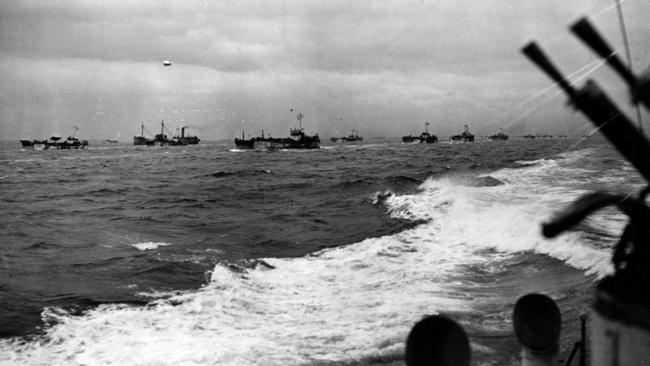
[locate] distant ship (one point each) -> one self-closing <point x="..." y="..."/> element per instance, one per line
<point x="184" y="140"/>
<point x="466" y="136"/>
<point x="297" y="139"/>
<point x="161" y="139"/>
<point x="36" y="144"/>
<point x="499" y="136"/>
<point x="55" y="142"/>
<point x="245" y="144"/>
<point x="354" y="137"/>
<point x="141" y="140"/>
<point x="112" y="141"/>
<point x="425" y="137"/>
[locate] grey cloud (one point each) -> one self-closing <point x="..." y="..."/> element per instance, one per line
<point x="383" y="65"/>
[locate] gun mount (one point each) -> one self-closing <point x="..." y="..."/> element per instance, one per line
<point x="620" y="314"/>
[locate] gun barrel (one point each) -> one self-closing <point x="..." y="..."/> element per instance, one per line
<point x="584" y="30"/>
<point x="590" y="36"/>
<point x="539" y="58"/>
<point x="618" y="129"/>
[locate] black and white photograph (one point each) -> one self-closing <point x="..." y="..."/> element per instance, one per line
<point x="325" y="183"/>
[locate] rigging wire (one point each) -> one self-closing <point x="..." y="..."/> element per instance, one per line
<point x="539" y="94"/>
<point x="147" y="130"/>
<point x="629" y="60"/>
<point x="572" y="78"/>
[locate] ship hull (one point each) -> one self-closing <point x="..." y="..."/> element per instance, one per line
<point x="286" y="143"/>
<point x="139" y="140"/>
<point x="499" y="136"/>
<point x="429" y="139"/>
<point x="245" y="144"/>
<point x="162" y="140"/>
<point x="269" y="143"/>
<point x="182" y="141"/>
<point x="70" y="143"/>
<point x="346" y="139"/>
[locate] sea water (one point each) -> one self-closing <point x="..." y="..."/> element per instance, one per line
<point x="193" y="255"/>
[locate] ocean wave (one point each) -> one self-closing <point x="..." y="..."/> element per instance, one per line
<point x="339" y="304"/>
<point x="355" y="182"/>
<point x="355" y="302"/>
<point x="507" y="216"/>
<point x="327" y="307"/>
<point x="107" y="191"/>
<point x="347" y="304"/>
<point x="149" y="245"/>
<point x="487" y="181"/>
<point x="245" y="172"/>
<point x="44" y="245"/>
<point x="534" y="162"/>
<point x="402" y="179"/>
<point x="380" y="197"/>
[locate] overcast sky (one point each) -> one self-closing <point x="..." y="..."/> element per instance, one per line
<point x="383" y="67"/>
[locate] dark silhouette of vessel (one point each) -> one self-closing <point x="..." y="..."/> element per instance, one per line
<point x="499" y="136"/>
<point x="297" y="139"/>
<point x="142" y="140"/>
<point x="55" y="142"/>
<point x="466" y="136"/>
<point x="425" y="137"/>
<point x="353" y="137"/>
<point x="183" y="139"/>
<point x="161" y="139"/>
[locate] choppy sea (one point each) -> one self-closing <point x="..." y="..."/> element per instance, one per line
<point x="197" y="255"/>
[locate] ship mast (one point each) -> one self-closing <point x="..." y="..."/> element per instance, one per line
<point x="299" y="117"/>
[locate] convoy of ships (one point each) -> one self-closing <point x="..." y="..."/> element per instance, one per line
<point x="297" y="139"/>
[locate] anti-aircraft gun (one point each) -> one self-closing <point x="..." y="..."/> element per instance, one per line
<point x="620" y="315"/>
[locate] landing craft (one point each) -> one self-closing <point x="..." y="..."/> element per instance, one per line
<point x="167" y="63"/>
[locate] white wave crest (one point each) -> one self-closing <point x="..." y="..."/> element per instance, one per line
<point x="340" y="304"/>
<point x="508" y="217"/>
<point x="149" y="245"/>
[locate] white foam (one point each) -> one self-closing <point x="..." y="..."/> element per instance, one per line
<point x="340" y="304"/>
<point x="508" y="217"/>
<point x="149" y="245"/>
